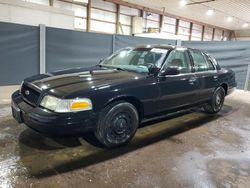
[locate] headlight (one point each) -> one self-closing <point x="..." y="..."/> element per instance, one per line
<point x="66" y="105"/>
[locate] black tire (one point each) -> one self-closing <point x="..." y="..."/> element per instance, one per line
<point x="117" y="124"/>
<point x="217" y="101"/>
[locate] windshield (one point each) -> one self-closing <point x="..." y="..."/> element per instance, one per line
<point x="138" y="59"/>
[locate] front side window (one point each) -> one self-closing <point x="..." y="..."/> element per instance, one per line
<point x="180" y="60"/>
<point x="138" y="59"/>
<point x="201" y="63"/>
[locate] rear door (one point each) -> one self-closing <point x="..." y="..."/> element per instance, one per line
<point x="206" y="74"/>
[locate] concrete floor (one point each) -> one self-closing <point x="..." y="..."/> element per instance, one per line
<point x="192" y="150"/>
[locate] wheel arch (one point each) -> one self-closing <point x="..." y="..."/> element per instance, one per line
<point x="225" y="87"/>
<point x="131" y="99"/>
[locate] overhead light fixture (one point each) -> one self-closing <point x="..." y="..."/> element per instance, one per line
<point x="245" y="25"/>
<point x="210" y="12"/>
<point x="183" y="3"/>
<point x="229" y="19"/>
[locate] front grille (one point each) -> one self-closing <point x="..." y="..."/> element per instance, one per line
<point x="29" y="94"/>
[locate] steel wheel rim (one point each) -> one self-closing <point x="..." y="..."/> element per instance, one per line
<point x="120" y="128"/>
<point x="219" y="99"/>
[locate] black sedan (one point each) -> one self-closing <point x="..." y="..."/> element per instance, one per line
<point x="125" y="89"/>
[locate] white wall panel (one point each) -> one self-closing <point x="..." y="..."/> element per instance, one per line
<point x="169" y="20"/>
<point x="104" y="5"/>
<point x="184" y="24"/>
<point x="183" y="37"/>
<point x="169" y="28"/>
<point x="184" y="31"/>
<point x="103" y="15"/>
<point x="33" y="14"/>
<point x="155" y="17"/>
<point x="129" y="11"/>
<point x="102" y="27"/>
<point x="125" y="19"/>
<point x="62" y="5"/>
<point x="41" y="2"/>
<point x="80" y="23"/>
<point x="151" y="24"/>
<point x="218" y="34"/>
<point x="196" y="38"/>
<point x="208" y="34"/>
<point x="197" y="27"/>
<point x="126" y="30"/>
<point x="196" y="34"/>
<point x="80" y="11"/>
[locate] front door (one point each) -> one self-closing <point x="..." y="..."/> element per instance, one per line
<point x="177" y="90"/>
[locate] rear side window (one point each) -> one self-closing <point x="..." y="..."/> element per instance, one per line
<point x="201" y="62"/>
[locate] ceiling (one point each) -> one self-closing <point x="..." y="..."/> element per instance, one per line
<point x="238" y="9"/>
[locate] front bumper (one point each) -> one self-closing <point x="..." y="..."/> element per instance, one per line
<point x="51" y="123"/>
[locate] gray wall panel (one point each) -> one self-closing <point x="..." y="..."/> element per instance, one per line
<point x="19" y="52"/>
<point x="229" y="54"/>
<point x="70" y="49"/>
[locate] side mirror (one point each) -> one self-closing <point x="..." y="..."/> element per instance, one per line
<point x="170" y="71"/>
<point x="152" y="69"/>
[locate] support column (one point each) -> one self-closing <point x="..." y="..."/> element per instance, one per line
<point x="203" y="33"/>
<point x="117" y="24"/>
<point x="190" y="31"/>
<point x="247" y="79"/>
<point x="89" y="15"/>
<point x="42" y="40"/>
<point x="177" y="27"/>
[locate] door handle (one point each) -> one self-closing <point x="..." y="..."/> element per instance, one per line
<point x="215" y="78"/>
<point x="192" y="80"/>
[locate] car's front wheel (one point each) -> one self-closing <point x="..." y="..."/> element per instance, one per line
<point x="217" y="101"/>
<point x="117" y="124"/>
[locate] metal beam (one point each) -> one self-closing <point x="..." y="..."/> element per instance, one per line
<point x="42" y="40"/>
<point x="89" y="15"/>
<point x="200" y="2"/>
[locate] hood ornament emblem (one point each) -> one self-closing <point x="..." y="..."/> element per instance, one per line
<point x="27" y="92"/>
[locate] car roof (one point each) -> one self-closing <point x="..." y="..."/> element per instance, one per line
<point x="164" y="46"/>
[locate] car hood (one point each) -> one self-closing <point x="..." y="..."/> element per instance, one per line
<point x="73" y="80"/>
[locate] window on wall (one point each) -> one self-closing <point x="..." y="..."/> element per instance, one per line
<point x="218" y="34"/>
<point x="126" y="14"/>
<point x="151" y="20"/>
<point x="196" y="32"/>
<point x="103" y="17"/>
<point x="208" y="34"/>
<point x="226" y="35"/>
<point x="184" y="30"/>
<point x="169" y="25"/>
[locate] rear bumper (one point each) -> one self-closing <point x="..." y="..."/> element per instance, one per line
<point x="51" y="123"/>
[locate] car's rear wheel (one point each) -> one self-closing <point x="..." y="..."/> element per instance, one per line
<point x="217" y="101"/>
<point x="117" y="124"/>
